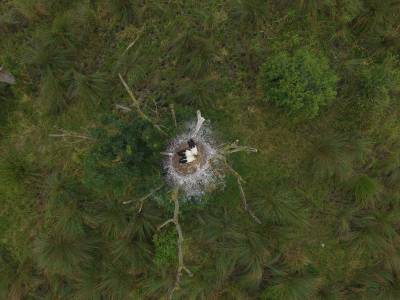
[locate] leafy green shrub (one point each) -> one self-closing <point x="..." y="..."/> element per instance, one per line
<point x="166" y="248"/>
<point x="300" y="83"/>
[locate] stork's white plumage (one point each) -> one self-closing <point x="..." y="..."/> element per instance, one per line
<point x="194" y="150"/>
<point x="189" y="156"/>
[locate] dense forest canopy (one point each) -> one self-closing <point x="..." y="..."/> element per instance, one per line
<point x="313" y="85"/>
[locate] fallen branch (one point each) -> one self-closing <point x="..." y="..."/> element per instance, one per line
<point x="181" y="265"/>
<point x="137" y="106"/>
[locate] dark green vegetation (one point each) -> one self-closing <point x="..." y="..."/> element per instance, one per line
<point x="299" y="82"/>
<point x="327" y="188"/>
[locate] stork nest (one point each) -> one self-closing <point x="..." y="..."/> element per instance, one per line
<point x="192" y="167"/>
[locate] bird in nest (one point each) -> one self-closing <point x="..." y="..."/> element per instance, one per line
<point x="188" y="154"/>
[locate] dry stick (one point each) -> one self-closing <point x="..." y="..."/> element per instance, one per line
<point x="141" y="200"/>
<point x="200" y="121"/>
<point x="229" y="149"/>
<point x="122" y="107"/>
<point x="240" y="149"/>
<point x="246" y="207"/>
<point x="69" y="134"/>
<point x="137" y="106"/>
<point x="181" y="264"/>
<point x="165" y="223"/>
<point x="234" y="147"/>
<point x="167" y="153"/>
<point x="239" y="181"/>
<point x="156" y="107"/>
<point x="134" y="42"/>
<point x="171" y="106"/>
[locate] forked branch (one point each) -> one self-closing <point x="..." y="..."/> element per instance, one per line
<point x="181" y="264"/>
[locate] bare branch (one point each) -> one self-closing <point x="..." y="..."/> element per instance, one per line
<point x="134" y="41"/>
<point x="122" y="107"/>
<point x="181" y="264"/>
<point x="167" y="153"/>
<point x="155" y="107"/>
<point x="141" y="200"/>
<point x="234" y="147"/>
<point x="65" y="133"/>
<point x="171" y="106"/>
<point x="187" y="271"/>
<point x="165" y="223"/>
<point x="239" y="181"/>
<point x="236" y="174"/>
<point x="137" y="106"/>
<point x="200" y="121"/>
<point x="244" y="200"/>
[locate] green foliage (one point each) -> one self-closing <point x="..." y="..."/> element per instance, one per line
<point x="52" y="94"/>
<point x="165" y="248"/>
<point x="366" y="190"/>
<point x="62" y="253"/>
<point x="377" y="84"/>
<point x="125" y="149"/>
<point x="301" y="82"/>
<point x="73" y="222"/>
<point x="292" y="288"/>
<point x="331" y="158"/>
